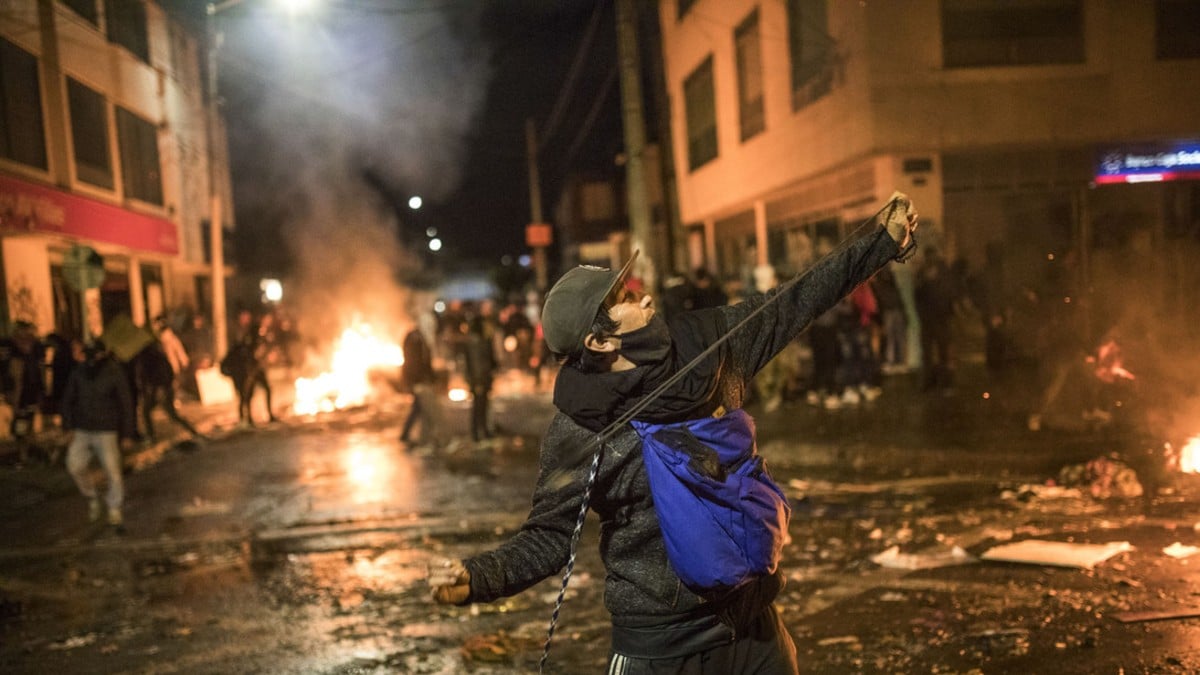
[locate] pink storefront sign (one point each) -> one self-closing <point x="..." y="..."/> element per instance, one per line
<point x="32" y="208"/>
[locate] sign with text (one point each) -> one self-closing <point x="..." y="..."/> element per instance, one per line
<point x="33" y="208"/>
<point x="538" y="235"/>
<point x="1149" y="163"/>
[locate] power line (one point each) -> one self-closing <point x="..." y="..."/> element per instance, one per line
<point x="568" y="87"/>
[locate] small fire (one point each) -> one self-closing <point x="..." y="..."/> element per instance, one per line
<point x="1189" y="456"/>
<point x="356" y="353"/>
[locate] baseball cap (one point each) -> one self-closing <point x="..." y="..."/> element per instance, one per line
<point x="572" y="304"/>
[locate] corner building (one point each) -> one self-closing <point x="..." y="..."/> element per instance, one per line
<point x="1030" y="134"/>
<point x="105" y="143"/>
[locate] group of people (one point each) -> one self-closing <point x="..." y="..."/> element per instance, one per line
<point x="470" y="336"/>
<point x="94" y="398"/>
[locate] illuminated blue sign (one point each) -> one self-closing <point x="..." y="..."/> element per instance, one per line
<point x="1149" y="164"/>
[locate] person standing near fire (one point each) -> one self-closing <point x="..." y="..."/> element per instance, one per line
<point x="244" y="365"/>
<point x="480" y="352"/>
<point x="417" y="377"/>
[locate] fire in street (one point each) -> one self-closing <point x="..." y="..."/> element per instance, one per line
<point x="357" y="353"/>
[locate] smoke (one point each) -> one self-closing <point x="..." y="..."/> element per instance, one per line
<point x="316" y="102"/>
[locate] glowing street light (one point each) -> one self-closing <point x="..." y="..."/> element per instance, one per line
<point x="435" y="244"/>
<point x="414" y="202"/>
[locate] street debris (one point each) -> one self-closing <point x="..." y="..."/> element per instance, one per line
<point x="1178" y="550"/>
<point x="999" y="643"/>
<point x="1102" y="478"/>
<point x="1056" y="553"/>
<point x="500" y="647"/>
<point x="892" y="558"/>
<point x="74" y="642"/>
<point x="1138" y="617"/>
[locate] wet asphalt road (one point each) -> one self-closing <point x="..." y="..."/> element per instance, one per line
<point x="301" y="548"/>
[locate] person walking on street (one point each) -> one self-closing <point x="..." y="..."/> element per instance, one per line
<point x="98" y="415"/>
<point x="480" y="353"/>
<point x="155" y="378"/>
<point x="26" y="380"/>
<point x="417" y="377"/>
<point x="244" y="365"/>
<point x="617" y="350"/>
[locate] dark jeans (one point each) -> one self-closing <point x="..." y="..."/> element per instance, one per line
<point x="479" y="411"/>
<point x="164" y="396"/>
<point x="258" y="378"/>
<point x="424" y="409"/>
<point x="767" y="650"/>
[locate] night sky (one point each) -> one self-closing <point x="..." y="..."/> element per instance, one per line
<point x="377" y="100"/>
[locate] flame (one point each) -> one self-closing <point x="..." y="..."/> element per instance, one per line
<point x="347" y="384"/>
<point x="1189" y="456"/>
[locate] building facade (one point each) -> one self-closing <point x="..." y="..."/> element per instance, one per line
<point x="104" y="143"/>
<point x="794" y="120"/>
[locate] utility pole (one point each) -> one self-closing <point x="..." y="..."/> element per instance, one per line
<point x="216" y="227"/>
<point x="635" y="141"/>
<point x="537" y="233"/>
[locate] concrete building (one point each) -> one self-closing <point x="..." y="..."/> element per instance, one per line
<point x="1048" y="132"/>
<point x="104" y="143"/>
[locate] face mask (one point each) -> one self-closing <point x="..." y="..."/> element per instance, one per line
<point x="649" y="344"/>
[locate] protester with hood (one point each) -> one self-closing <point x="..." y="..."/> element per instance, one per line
<point x="97" y="414"/>
<point x="617" y="350"/>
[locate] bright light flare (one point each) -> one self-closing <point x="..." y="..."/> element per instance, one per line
<point x="458" y="394"/>
<point x="356" y="353"/>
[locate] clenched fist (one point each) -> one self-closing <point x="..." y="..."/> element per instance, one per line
<point x="450" y="581"/>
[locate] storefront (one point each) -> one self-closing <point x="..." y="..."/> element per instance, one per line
<point x="38" y="224"/>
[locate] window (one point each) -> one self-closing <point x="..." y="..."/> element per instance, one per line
<point x="127" y="26"/>
<point x="1177" y="26"/>
<point x="22" y="136"/>
<point x="811" y="51"/>
<point x="700" y="99"/>
<point x="139" y="157"/>
<point x="750" y="80"/>
<point x="89" y="134"/>
<point x="981" y="33"/>
<point x="85" y="9"/>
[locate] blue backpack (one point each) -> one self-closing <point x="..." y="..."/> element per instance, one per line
<point x="722" y="516"/>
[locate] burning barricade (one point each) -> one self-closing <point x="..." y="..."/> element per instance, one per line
<point x="360" y="360"/>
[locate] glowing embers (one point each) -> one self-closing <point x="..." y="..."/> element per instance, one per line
<point x="356" y="354"/>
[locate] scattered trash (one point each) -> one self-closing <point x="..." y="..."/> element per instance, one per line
<point x="1056" y="553"/>
<point x="202" y="507"/>
<point x="841" y="640"/>
<point x="1102" y="478"/>
<point x="1042" y="492"/>
<point x="1178" y="550"/>
<point x="1136" y="617"/>
<point x="74" y="642"/>
<point x="1000" y="643"/>
<point x="892" y="558"/>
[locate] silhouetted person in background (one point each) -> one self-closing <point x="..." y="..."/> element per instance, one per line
<point x="481" y="370"/>
<point x="417" y="377"/>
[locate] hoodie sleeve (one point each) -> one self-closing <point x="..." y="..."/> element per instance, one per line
<point x="804" y="298"/>
<point x="541" y="546"/>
